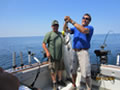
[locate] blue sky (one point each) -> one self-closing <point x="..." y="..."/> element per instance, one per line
<point x="34" y="17"/>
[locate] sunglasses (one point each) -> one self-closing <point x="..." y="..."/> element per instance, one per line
<point x="55" y="25"/>
<point x="85" y="18"/>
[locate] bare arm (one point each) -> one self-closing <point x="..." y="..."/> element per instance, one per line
<point x="78" y="26"/>
<point x="46" y="50"/>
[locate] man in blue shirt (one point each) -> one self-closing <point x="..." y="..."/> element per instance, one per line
<point x="81" y="44"/>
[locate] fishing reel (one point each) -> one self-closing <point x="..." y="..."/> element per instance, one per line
<point x="102" y="54"/>
<point x="103" y="59"/>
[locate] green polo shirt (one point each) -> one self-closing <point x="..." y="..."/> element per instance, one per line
<point x="54" y="41"/>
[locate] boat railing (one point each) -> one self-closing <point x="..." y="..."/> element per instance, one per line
<point x="22" y="66"/>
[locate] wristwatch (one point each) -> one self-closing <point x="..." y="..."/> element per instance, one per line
<point x="73" y="22"/>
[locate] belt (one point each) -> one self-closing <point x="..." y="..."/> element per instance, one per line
<point x="81" y="49"/>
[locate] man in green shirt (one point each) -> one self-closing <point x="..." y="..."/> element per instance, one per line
<point x="54" y="53"/>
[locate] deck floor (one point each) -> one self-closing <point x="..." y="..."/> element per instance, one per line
<point x="69" y="85"/>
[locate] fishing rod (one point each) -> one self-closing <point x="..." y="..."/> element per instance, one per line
<point x="104" y="43"/>
<point x="102" y="54"/>
<point x="38" y="70"/>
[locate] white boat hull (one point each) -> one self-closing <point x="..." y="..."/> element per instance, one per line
<point x="27" y="76"/>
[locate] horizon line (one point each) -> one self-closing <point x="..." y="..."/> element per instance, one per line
<point x="44" y="35"/>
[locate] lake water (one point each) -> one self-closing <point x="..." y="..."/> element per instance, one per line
<point x="8" y="45"/>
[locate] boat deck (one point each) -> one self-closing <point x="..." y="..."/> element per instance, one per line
<point x="69" y="85"/>
<point x="27" y="76"/>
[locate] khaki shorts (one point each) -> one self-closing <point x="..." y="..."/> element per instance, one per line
<point x="81" y="59"/>
<point x="56" y="66"/>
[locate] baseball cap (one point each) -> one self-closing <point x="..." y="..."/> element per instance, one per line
<point x="55" y="22"/>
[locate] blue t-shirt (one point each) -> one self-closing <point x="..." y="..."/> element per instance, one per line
<point x="81" y="40"/>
